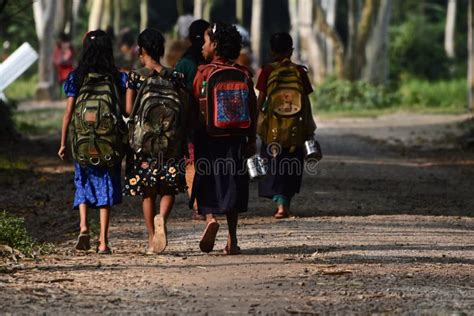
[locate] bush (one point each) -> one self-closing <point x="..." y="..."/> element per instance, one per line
<point x="416" y="48"/>
<point x="13" y="233"/>
<point x="342" y="95"/>
<point x="445" y="94"/>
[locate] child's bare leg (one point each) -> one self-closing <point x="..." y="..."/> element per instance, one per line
<point x="149" y="211"/>
<point x="84" y="226"/>
<point x="166" y="204"/>
<point x="104" y="228"/>
<point x="210" y="218"/>
<point x="232" y="220"/>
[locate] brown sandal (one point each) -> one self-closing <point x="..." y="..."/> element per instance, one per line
<point x="232" y="251"/>
<point x="209" y="236"/>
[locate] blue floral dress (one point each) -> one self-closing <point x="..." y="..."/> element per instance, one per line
<point x="95" y="186"/>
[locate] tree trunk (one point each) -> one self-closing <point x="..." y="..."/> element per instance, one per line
<point x="75" y="16"/>
<point x="206" y="15"/>
<point x="143" y="14"/>
<point x="295" y="27"/>
<point x="363" y="32"/>
<point x="117" y="15"/>
<point x="256" y="30"/>
<point x="60" y="17"/>
<point x="239" y="11"/>
<point x="450" y="29"/>
<point x="353" y="16"/>
<point x="198" y="9"/>
<point x="333" y="36"/>
<point x="95" y="16"/>
<point x="107" y="15"/>
<point x="46" y="11"/>
<point x="310" y="50"/>
<point x="329" y="7"/>
<point x="470" y="76"/>
<point x="376" y="68"/>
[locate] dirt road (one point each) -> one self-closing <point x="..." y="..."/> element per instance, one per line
<point x="385" y="227"/>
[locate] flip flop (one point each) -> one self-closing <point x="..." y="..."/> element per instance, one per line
<point x="83" y="242"/>
<point x="106" y="251"/>
<point x="230" y="252"/>
<point x="160" y="240"/>
<point x="209" y="237"/>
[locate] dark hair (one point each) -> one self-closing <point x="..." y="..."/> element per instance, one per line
<point x="97" y="57"/>
<point x="127" y="39"/>
<point x="281" y="43"/>
<point x="227" y="38"/>
<point x="196" y="36"/>
<point x="153" y="42"/>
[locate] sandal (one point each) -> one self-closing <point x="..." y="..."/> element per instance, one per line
<point x="160" y="240"/>
<point x="83" y="242"/>
<point x="209" y="236"/>
<point x="106" y="251"/>
<point x="232" y="250"/>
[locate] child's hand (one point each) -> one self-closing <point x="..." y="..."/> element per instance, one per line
<point x="61" y="152"/>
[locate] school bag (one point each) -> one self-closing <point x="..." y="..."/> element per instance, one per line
<point x="224" y="100"/>
<point x="284" y="115"/>
<point x="98" y="132"/>
<point x="157" y="122"/>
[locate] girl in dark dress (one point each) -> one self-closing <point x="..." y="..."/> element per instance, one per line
<point x="286" y="165"/>
<point x="218" y="187"/>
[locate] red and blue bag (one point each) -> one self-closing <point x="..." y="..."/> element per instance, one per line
<point x="224" y="101"/>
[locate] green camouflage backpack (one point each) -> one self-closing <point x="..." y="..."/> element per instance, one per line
<point x="97" y="131"/>
<point x="157" y="122"/>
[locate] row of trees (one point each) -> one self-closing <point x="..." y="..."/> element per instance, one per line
<point x="348" y="39"/>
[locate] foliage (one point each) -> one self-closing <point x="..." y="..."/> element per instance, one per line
<point x="417" y="49"/>
<point x="441" y="94"/>
<point x="39" y="121"/>
<point x="343" y="95"/>
<point x="13" y="233"/>
<point x="24" y="88"/>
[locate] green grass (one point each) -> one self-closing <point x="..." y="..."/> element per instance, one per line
<point x="342" y="98"/>
<point x="39" y="122"/>
<point x="22" y="89"/>
<point x="14" y="234"/>
<point x="8" y="164"/>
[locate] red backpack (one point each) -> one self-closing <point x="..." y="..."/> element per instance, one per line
<point x="224" y="100"/>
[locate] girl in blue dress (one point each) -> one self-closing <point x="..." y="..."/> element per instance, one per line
<point x="96" y="186"/>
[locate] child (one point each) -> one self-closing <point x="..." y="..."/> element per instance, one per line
<point x="97" y="166"/>
<point x="187" y="65"/>
<point x="228" y="136"/>
<point x="285" y="122"/>
<point x="157" y="137"/>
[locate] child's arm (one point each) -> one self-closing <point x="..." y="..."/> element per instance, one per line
<point x="66" y="119"/>
<point x="129" y="100"/>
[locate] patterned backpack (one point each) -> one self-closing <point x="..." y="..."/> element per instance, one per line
<point x="224" y="101"/>
<point x="157" y="123"/>
<point x="97" y="129"/>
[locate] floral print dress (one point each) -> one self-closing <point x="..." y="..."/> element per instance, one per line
<point x="144" y="173"/>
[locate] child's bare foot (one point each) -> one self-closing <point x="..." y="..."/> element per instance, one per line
<point x="281" y="212"/>
<point x="160" y="240"/>
<point x="103" y="248"/>
<point x="232" y="248"/>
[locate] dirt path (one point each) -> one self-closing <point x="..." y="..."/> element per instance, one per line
<point x="382" y="228"/>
